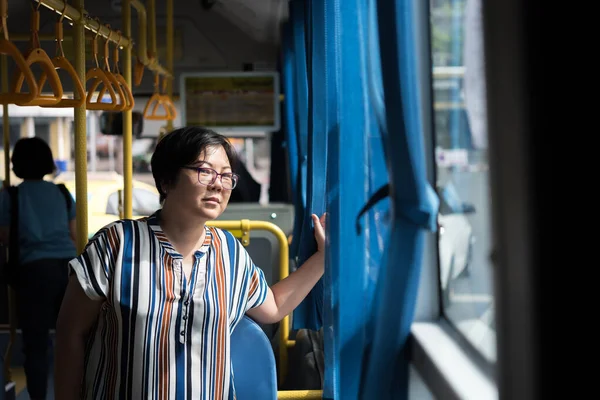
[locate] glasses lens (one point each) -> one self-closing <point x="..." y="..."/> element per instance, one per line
<point x="229" y="181"/>
<point x="206" y="176"/>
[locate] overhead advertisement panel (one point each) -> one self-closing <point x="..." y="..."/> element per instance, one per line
<point x="242" y="101"/>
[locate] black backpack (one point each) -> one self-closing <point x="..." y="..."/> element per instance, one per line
<point x="11" y="264"/>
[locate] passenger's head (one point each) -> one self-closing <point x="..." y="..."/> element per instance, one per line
<point x="32" y="159"/>
<point x="184" y="164"/>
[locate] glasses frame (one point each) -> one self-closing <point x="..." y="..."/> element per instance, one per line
<point x="216" y="175"/>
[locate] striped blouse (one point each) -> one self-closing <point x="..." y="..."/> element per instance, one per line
<point x="160" y="335"/>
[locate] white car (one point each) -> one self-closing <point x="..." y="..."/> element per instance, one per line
<point x="455" y="239"/>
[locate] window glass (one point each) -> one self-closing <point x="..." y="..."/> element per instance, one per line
<point x="462" y="171"/>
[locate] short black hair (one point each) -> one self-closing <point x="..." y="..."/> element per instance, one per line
<point x="182" y="147"/>
<point x="32" y="158"/>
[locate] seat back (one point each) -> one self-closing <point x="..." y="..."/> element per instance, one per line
<point x="264" y="247"/>
<point x="253" y="362"/>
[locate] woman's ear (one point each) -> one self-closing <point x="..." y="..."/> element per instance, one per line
<point x="164" y="188"/>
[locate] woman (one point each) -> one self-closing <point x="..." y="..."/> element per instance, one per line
<point x="151" y="306"/>
<point x="46" y="242"/>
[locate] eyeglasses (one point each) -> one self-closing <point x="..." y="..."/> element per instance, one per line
<point x="208" y="176"/>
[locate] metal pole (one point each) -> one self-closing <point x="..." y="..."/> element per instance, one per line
<point x="78" y="15"/>
<point x="93" y="128"/>
<point x="170" y="50"/>
<point x="12" y="311"/>
<point x="80" y="133"/>
<point x="152" y="28"/>
<point x="5" y="122"/>
<point x="141" y="45"/>
<point x="127" y="120"/>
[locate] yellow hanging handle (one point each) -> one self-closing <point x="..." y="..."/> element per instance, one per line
<point x="98" y="77"/>
<point x="154" y="102"/>
<point x="9" y="49"/>
<point x="121" y="98"/>
<point x="172" y="110"/>
<point x="61" y="62"/>
<point x="37" y="55"/>
<point x="129" y="100"/>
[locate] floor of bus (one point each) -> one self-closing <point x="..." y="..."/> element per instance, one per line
<point x="17" y="371"/>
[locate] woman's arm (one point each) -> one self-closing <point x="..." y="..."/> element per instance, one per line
<point x="288" y="293"/>
<point x="77" y="315"/>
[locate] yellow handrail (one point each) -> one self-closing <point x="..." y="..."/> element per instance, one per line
<point x="168" y="102"/>
<point x="170" y="45"/>
<point x="299" y="394"/>
<point x="142" y="47"/>
<point x="80" y="124"/>
<point x="11" y="293"/>
<point x="240" y="229"/>
<point x="73" y="14"/>
<point x="151" y="8"/>
<point x="95" y="26"/>
<point x="5" y="120"/>
<point x="127" y="121"/>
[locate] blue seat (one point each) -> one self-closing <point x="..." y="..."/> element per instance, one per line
<point x="253" y="362"/>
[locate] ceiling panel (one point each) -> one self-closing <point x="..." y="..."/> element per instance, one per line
<point x="261" y="19"/>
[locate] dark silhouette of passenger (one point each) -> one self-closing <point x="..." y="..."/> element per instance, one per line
<point x="37" y="222"/>
<point x="247" y="189"/>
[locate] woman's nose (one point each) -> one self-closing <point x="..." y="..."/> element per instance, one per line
<point x="217" y="184"/>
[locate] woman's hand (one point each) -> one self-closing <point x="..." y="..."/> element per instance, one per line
<point x="319" y="231"/>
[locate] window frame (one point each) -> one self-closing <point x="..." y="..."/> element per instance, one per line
<point x="432" y="332"/>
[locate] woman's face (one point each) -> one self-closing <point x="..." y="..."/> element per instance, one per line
<point x="199" y="200"/>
